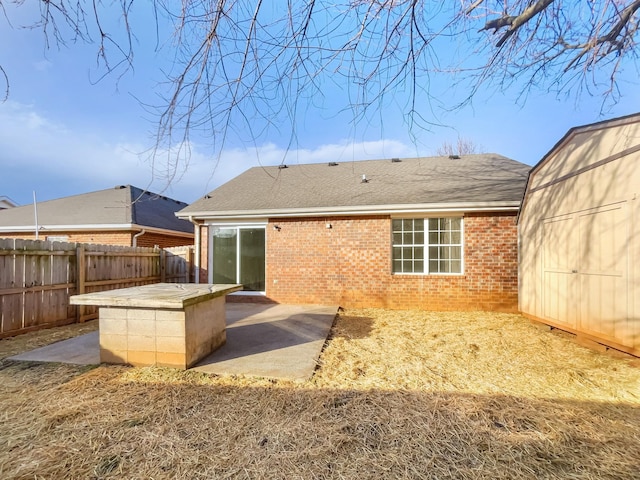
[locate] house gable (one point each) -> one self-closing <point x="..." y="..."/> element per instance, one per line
<point x="583" y="149"/>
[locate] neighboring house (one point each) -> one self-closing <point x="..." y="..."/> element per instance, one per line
<point x="124" y="215"/>
<point x="580" y="235"/>
<point x="435" y="233"/>
<point x="6" y="202"/>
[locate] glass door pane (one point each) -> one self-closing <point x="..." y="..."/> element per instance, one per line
<point x="252" y="259"/>
<point x="224" y="255"/>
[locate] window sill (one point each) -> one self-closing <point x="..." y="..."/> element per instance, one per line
<point x="402" y="274"/>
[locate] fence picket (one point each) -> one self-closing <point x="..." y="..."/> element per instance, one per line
<point x="11" y="313"/>
<point x="38" y="277"/>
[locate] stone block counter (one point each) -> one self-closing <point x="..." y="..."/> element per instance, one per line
<point x="163" y="324"/>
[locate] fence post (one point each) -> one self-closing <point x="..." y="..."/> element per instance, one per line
<point x="163" y="265"/>
<point x="81" y="265"/>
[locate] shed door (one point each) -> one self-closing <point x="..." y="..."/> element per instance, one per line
<point x="584" y="271"/>
<point x="559" y="283"/>
<point x="602" y="271"/>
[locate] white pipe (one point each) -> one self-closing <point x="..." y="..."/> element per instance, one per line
<point x="135" y="237"/>
<point x="196" y="259"/>
<point x="35" y="212"/>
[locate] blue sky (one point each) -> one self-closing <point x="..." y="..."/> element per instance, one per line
<point x="62" y="133"/>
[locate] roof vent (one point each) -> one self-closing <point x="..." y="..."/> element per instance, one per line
<point x="395" y="160"/>
<point x="364" y="179"/>
<point x="333" y="164"/>
<point x="281" y="166"/>
<point x="454" y="157"/>
<point x="120" y="187"/>
<point x="207" y="197"/>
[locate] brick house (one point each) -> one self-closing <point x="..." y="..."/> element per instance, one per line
<point x="434" y="233"/>
<point x="124" y="215"/>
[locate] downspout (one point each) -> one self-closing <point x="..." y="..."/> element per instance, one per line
<point x="135" y="237"/>
<point x="196" y="259"/>
<point x="35" y="213"/>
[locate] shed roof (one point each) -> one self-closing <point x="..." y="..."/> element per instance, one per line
<point x="124" y="205"/>
<point x="487" y="179"/>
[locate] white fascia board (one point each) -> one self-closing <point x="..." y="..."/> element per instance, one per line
<point x="244" y="222"/>
<point x="164" y="231"/>
<point x="358" y="210"/>
<point x="94" y="228"/>
<point x="68" y="228"/>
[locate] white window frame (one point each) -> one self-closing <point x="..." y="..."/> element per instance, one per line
<point x="237" y="226"/>
<point x="426" y="245"/>
<point x="57" y="238"/>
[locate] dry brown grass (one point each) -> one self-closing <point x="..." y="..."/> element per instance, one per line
<point x="396" y="395"/>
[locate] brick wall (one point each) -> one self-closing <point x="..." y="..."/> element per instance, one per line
<point x="349" y="264"/>
<point x="204" y="252"/>
<point x="122" y="238"/>
<point x="163" y="241"/>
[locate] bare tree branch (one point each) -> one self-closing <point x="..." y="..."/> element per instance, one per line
<point x="6" y="83"/>
<point x="517" y="21"/>
<point x="612" y="37"/>
<point x="463" y="146"/>
<point x="248" y="67"/>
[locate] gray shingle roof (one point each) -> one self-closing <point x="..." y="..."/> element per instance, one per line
<point x="122" y="205"/>
<point x="6" y="202"/>
<point x="484" y="178"/>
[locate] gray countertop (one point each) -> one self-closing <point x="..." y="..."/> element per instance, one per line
<point x="157" y="295"/>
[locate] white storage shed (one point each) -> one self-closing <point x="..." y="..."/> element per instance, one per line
<point x="579" y="235"/>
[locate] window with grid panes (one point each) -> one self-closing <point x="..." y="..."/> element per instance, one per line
<point x="427" y="245"/>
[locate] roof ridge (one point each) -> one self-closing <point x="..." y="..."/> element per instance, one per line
<point x="381" y="160"/>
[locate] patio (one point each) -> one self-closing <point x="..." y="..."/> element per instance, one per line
<point x="263" y="340"/>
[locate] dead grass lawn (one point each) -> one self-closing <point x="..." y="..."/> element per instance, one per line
<point x="396" y="395"/>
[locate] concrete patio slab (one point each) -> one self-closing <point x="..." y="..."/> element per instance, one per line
<point x="82" y="350"/>
<point x="264" y="340"/>
<point x="274" y="341"/>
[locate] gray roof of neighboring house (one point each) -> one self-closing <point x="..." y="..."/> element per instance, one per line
<point x="471" y="179"/>
<point x="122" y="205"/>
<point x="6" y="202"/>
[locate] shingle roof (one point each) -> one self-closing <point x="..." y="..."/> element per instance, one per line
<point x="484" y="178"/>
<point x="6" y="202"/>
<point x="122" y="205"/>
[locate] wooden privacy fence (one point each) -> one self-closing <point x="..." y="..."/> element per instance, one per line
<point x="38" y="277"/>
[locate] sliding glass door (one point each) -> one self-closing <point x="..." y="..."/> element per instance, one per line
<point x="238" y="255"/>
